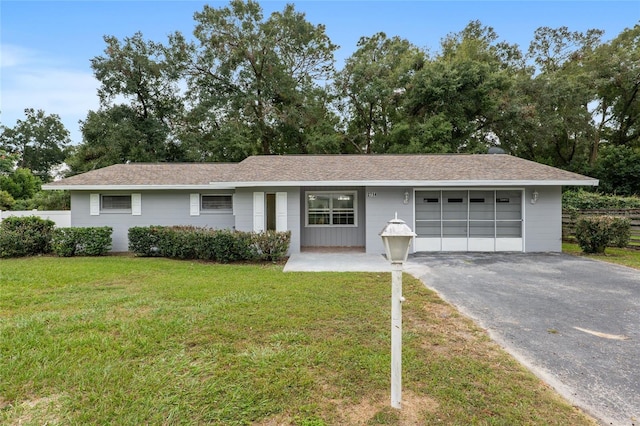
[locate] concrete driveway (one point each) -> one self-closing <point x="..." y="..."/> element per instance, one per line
<point x="574" y="322"/>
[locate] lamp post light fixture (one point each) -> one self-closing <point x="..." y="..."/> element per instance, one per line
<point x="396" y="236"/>
<point x="534" y="197"/>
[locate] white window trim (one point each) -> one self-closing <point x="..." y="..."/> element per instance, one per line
<point x="330" y="225"/>
<point x="116" y="211"/>
<point x="195" y="204"/>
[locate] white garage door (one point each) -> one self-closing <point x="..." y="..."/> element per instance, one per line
<point x="469" y="220"/>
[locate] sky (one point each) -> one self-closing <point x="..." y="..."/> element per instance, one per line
<point x="46" y="46"/>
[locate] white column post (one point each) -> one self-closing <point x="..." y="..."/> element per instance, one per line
<point x="396" y="335"/>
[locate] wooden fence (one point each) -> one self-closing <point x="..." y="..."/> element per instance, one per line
<point x="569" y="223"/>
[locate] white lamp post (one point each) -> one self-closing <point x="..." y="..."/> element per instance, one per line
<point x="396" y="236"/>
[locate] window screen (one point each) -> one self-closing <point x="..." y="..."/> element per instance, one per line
<point x="116" y="202"/>
<point x="217" y="202"/>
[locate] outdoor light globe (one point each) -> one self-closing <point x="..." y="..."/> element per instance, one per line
<point x="397" y="236"/>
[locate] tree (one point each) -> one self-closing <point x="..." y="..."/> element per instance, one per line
<point x="7" y="162"/>
<point x="21" y="184"/>
<point x="549" y="120"/>
<point x="618" y="169"/>
<point x="138" y="71"/>
<point x="552" y="48"/>
<point x="455" y="100"/>
<point x="146" y="125"/>
<point x="615" y="71"/>
<point x="116" y="135"/>
<point x="39" y="142"/>
<point x="261" y="74"/>
<point x="549" y="112"/>
<point x="6" y="200"/>
<point x="247" y="85"/>
<point x="372" y="84"/>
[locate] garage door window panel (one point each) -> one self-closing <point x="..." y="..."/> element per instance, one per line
<point x="454" y="205"/>
<point x="509" y="214"/>
<point x="428" y="214"/>
<point x="482" y="214"/>
<point x="454" y="214"/>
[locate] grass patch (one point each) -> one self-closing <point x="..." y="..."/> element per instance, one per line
<point x="120" y="340"/>
<point x="621" y="256"/>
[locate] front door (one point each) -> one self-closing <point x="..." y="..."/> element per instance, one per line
<point x="271" y="212"/>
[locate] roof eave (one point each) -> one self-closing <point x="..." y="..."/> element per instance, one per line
<point x="101" y="187"/>
<point x="419" y="183"/>
<point x="395" y="183"/>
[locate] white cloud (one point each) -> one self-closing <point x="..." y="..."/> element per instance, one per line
<point x="15" y="55"/>
<point x="30" y="79"/>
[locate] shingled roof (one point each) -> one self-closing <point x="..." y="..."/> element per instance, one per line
<point x="305" y="170"/>
<point x="167" y="175"/>
<point x="389" y="168"/>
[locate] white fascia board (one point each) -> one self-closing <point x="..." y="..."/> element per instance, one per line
<point x="213" y="185"/>
<point x="419" y="183"/>
<point x="393" y="183"/>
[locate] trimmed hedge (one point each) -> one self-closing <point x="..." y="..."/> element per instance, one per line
<point x="25" y="236"/>
<point x="584" y="200"/>
<point x="218" y="245"/>
<point x="596" y="233"/>
<point x="91" y="241"/>
<point x="145" y="240"/>
<point x="620" y="232"/>
<point x="272" y="245"/>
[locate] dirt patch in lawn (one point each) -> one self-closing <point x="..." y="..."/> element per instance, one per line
<point x="412" y="412"/>
<point x="42" y="410"/>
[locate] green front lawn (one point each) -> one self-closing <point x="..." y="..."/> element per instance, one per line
<point x="621" y="256"/>
<point x="130" y="341"/>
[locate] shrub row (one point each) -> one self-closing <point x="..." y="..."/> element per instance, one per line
<point x="219" y="245"/>
<point x="94" y="241"/>
<point x="584" y="200"/>
<point x="32" y="236"/>
<point x="596" y="233"/>
<point x="25" y="236"/>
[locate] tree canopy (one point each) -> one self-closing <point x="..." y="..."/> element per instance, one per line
<point x="244" y="83"/>
<point x="38" y="143"/>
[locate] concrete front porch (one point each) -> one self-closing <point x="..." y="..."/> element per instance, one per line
<point x="337" y="261"/>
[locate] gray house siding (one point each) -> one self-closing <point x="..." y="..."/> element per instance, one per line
<point x="375" y="207"/>
<point x="382" y="205"/>
<point x="158" y="208"/>
<point x="543" y="220"/>
<point x="329" y="236"/>
<point x="243" y="208"/>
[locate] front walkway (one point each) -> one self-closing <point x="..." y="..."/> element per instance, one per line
<point x="337" y="262"/>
